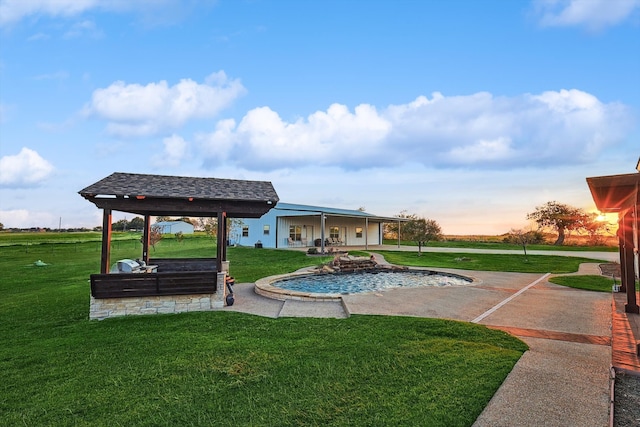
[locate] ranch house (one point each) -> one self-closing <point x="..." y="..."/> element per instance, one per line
<point x="291" y="225"/>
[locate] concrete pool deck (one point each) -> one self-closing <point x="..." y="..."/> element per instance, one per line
<point x="564" y="378"/>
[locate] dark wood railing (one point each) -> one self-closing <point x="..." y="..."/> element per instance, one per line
<point x="166" y="265"/>
<point x="175" y="276"/>
<point x="152" y="284"/>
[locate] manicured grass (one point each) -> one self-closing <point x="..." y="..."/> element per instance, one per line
<point x="588" y="283"/>
<point x="487" y="262"/>
<point x="498" y="244"/>
<point x="225" y="368"/>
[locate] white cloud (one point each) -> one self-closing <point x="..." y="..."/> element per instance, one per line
<point x="262" y="140"/>
<point x="593" y="14"/>
<point x="136" y="110"/>
<point x="175" y="151"/>
<point x="25" y="169"/>
<point x="478" y="130"/>
<point x="38" y="36"/>
<point x="14" y="10"/>
<point x="23" y="218"/>
<point x="153" y="11"/>
<point x="84" y="28"/>
<point x="497" y="149"/>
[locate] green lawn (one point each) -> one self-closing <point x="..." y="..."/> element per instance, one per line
<point x="587" y="282"/>
<point x="515" y="262"/>
<point x="499" y="244"/>
<point x="223" y="368"/>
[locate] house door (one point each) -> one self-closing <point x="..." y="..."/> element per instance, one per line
<point x="307" y="234"/>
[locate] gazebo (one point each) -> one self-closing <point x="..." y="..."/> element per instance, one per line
<point x="619" y="194"/>
<point x="161" y="195"/>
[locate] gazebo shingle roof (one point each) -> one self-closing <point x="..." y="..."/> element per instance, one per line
<point x="130" y="184"/>
<point x="181" y="195"/>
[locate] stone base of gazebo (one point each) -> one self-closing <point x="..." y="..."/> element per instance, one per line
<point x="104" y="308"/>
<point x="116" y="307"/>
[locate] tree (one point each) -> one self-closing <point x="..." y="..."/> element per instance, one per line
<point x="234" y="229"/>
<point x="209" y="225"/>
<point x="155" y="235"/>
<point x="596" y="229"/>
<point x="524" y="237"/>
<point x="163" y="219"/>
<point x="421" y="231"/>
<point x="561" y="217"/>
<point x="391" y="228"/>
<point x="1" y="226"/>
<point x="136" y="223"/>
<point x="120" y="225"/>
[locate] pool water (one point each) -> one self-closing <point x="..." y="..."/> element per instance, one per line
<point x="368" y="281"/>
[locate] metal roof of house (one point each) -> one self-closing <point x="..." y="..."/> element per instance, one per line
<point x="317" y="210"/>
<point x="181" y="195"/>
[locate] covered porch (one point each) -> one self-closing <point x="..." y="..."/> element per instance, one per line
<point x="619" y="194"/>
<point x="329" y="228"/>
<point x="153" y="289"/>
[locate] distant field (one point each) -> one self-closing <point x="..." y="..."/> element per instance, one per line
<point x="496" y="242"/>
<point x="35" y="238"/>
<point x="476" y="241"/>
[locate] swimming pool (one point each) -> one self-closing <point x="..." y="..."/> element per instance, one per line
<point x="333" y="285"/>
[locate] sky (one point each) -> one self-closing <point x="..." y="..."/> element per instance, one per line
<point x="470" y="113"/>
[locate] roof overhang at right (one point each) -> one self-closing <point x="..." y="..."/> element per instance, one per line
<point x="615" y="193"/>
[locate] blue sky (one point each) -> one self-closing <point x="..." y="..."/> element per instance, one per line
<point x="468" y="112"/>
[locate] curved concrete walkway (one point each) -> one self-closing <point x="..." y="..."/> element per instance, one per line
<point x="563" y="380"/>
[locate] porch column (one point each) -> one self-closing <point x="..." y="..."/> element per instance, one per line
<point x="146" y="238"/>
<point x="106" y="241"/>
<point x="366" y="233"/>
<point x="322" y="221"/>
<point x="627" y="263"/>
<point x="623" y="283"/>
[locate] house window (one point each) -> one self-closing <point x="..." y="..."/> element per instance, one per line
<point x="265" y="230"/>
<point x="295" y="232"/>
<point x="359" y="232"/>
<point x="334" y="233"/>
<point x="245" y="231"/>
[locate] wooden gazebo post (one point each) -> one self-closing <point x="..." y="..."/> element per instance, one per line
<point x="106" y="241"/>
<point x="221" y="252"/>
<point x="146" y="238"/>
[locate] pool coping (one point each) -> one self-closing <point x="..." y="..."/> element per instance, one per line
<point x="265" y="288"/>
